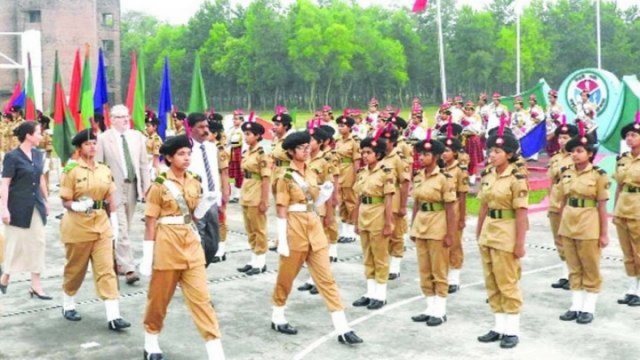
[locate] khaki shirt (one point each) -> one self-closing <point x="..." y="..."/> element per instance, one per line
<point x="153" y="144"/>
<point x="628" y="173"/>
<point x="279" y="155"/>
<point x="378" y="182"/>
<point x="182" y="131"/>
<point x="347" y="149"/>
<point x="235" y="137"/>
<point x="557" y="162"/>
<point x="437" y="187"/>
<point x="14" y="142"/>
<point x="324" y="167"/>
<point x="176" y="246"/>
<point x="405" y="150"/>
<point x="254" y="161"/>
<point x="79" y="180"/>
<point x="507" y="191"/>
<point x="591" y="183"/>
<point x="223" y="157"/>
<point x="304" y="229"/>
<point x="47" y="141"/>
<point x="401" y="172"/>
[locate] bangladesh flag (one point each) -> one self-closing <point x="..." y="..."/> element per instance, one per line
<point x="86" y="92"/>
<point x="30" y="101"/>
<point x="63" y="124"/>
<point x="198" y="98"/>
<point x="136" y="92"/>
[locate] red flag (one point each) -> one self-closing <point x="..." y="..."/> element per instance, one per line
<point x="74" y="92"/>
<point x="17" y="89"/>
<point x="30" y="100"/>
<point x="133" y="78"/>
<point x="420" y="6"/>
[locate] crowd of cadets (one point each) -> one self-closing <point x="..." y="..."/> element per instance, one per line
<point x="355" y="175"/>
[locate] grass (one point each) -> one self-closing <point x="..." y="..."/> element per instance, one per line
<point x="473" y="204"/>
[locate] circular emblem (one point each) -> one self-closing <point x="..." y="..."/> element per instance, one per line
<point x="499" y="141"/>
<point x="592" y="83"/>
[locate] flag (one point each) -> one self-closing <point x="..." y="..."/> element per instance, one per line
<point x="100" y="94"/>
<point x="30" y="100"/>
<point x="86" y="92"/>
<point x="135" y="93"/>
<point x="74" y="92"/>
<point x="63" y="123"/>
<point x="420" y="6"/>
<point x="17" y="91"/>
<point x="534" y="140"/>
<point x="165" y="103"/>
<point x="198" y="98"/>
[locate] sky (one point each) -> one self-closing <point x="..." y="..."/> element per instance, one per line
<point x="179" y="12"/>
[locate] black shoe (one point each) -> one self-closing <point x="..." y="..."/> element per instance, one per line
<point x="284" y="328"/>
<point x="349" y="338"/>
<point x="131" y="277"/>
<point x="435" y="321"/>
<point x="363" y="301"/>
<point x="71" y="315"/>
<point x="635" y="301"/>
<point x="153" y="356"/>
<point x="376" y="304"/>
<point x="333" y="259"/>
<point x="626" y="299"/>
<point x="233" y="201"/>
<point x="560" y="284"/>
<point x="566" y="286"/>
<point x="421" y="318"/>
<point x="245" y="268"/>
<point x="256" y="271"/>
<point x="509" y="341"/>
<point x="453" y="288"/>
<point x="349" y="240"/>
<point x="393" y="276"/>
<point x="341" y="239"/>
<point x="3" y="288"/>
<point x="314" y="290"/>
<point x="569" y="315"/>
<point x="584" y="318"/>
<point x="217" y="259"/>
<point x="491" y="336"/>
<point x="60" y="216"/>
<point x="273" y="248"/>
<point x="118" y="324"/>
<point x="305" y="287"/>
<point x="33" y="293"/>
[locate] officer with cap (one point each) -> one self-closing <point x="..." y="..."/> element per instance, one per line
<point x="348" y="156"/>
<point x="282" y="124"/>
<point x="215" y="136"/>
<point x="154" y="141"/>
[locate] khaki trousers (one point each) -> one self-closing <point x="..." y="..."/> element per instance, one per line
<point x="583" y="260"/>
<point x="193" y="283"/>
<point x="331" y="231"/>
<point x="255" y="224"/>
<point x="501" y="275"/>
<point x="125" y="211"/>
<point x="433" y="266"/>
<point x="100" y="252"/>
<point x="319" y="268"/>
<point x="629" y="235"/>
<point x="347" y="204"/>
<point x="554" y="221"/>
<point x="375" y="251"/>
<point x="396" y="245"/>
<point x="456" y="253"/>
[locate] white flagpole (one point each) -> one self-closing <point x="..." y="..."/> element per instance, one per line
<point x="517" y="51"/>
<point x="443" y="76"/>
<point x="598" y="33"/>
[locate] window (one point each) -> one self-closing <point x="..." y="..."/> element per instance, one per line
<point x="107" y="19"/>
<point x="34" y="16"/>
<point x="107" y="45"/>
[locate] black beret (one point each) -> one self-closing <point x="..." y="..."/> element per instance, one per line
<point x="174" y="143"/>
<point x="507" y="142"/>
<point x="566" y="129"/>
<point x="452" y="143"/>
<point x="15" y="108"/>
<point x="253" y="127"/>
<point x="586" y="140"/>
<point x="507" y="131"/>
<point x="319" y="134"/>
<point x="398" y="122"/>
<point x="44" y="120"/>
<point x="153" y="121"/>
<point x="456" y="129"/>
<point x="215" y="126"/>
<point x="390" y="133"/>
<point x="634" y="126"/>
<point x="329" y="130"/>
<point x="215" y="117"/>
<point x="346" y="120"/>
<point x="82" y="136"/>
<point x="433" y="146"/>
<point x="294" y="139"/>
<point x="378" y="146"/>
<point x="285" y="119"/>
<point x="179" y="115"/>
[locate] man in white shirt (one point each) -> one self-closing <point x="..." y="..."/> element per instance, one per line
<point x="123" y="150"/>
<point x="204" y="163"/>
<point x="496" y="111"/>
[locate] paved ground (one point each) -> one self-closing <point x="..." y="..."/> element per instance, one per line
<point x="34" y="329"/>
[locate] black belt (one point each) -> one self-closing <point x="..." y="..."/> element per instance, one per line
<point x="631" y="189"/>
<point x="370" y="200"/>
<point x="252" y="175"/>
<point x="282" y="162"/>
<point x="582" y="203"/>
<point x="99" y="205"/>
<point x="502" y="214"/>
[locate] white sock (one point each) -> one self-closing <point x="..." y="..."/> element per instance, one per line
<point x="214" y="349"/>
<point x="565" y="271"/>
<point x="577" y="300"/>
<point x="340" y="322"/>
<point x="277" y="315"/>
<point x="512" y="323"/>
<point x="633" y="286"/>
<point x="342" y="229"/>
<point x="310" y="281"/>
<point x="68" y="302"/>
<point x="221" y="249"/>
<point x="381" y="292"/>
<point x="501" y="323"/>
<point x="590" y="300"/>
<point x="454" y="277"/>
<point x="440" y="306"/>
<point x="253" y="260"/>
<point x="394" y="266"/>
<point x="371" y="289"/>
<point x="333" y="250"/>
<point x="260" y="261"/>
<point x="429" y="309"/>
<point x="113" y="309"/>
<point x="151" y="345"/>
<point x="638" y="286"/>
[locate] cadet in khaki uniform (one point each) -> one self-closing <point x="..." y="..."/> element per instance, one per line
<point x="396" y="160"/>
<point x="627" y="211"/>
<point x="281" y="128"/>
<point x="583" y="225"/>
<point x="348" y="156"/>
<point x="301" y="239"/>
<point x="172" y="253"/>
<point x="217" y="132"/>
<point x="254" y="196"/>
<point x="46" y="144"/>
<point x="178" y="118"/>
<point x="502" y="224"/>
<point x="561" y="160"/>
<point x="373" y="219"/>
<point x="433" y="227"/>
<point x="87" y="232"/>
<point x="16" y="113"/>
<point x="153" y="142"/>
<point x="460" y="182"/>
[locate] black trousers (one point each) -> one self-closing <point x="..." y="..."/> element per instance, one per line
<point x="209" y="230"/>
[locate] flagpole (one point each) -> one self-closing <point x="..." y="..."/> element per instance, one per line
<point x="598" y="34"/>
<point x="443" y="76"/>
<point x="517" y="51"/>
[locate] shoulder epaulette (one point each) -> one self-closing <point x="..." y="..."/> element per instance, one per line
<point x="519" y="176"/>
<point x="624" y="154"/>
<point x="260" y="151"/>
<point x="161" y="178"/>
<point x="195" y="176"/>
<point x="485" y="171"/>
<point x="288" y="174"/>
<point x="599" y="170"/>
<point x="69" y="167"/>
<point x="447" y="175"/>
<point x="386" y="169"/>
<point x="463" y="167"/>
<point x="220" y="147"/>
<point x="564" y="168"/>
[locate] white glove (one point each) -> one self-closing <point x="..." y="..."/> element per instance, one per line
<point x="209" y="198"/>
<point x="283" y="243"/>
<point x="82" y="205"/>
<point x="146" y="265"/>
<point x="326" y="190"/>
<point x="114" y="226"/>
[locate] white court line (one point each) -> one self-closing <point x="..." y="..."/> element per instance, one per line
<point x="386" y="309"/>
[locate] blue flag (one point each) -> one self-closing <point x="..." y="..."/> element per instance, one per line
<point x="100" y="94"/>
<point x="165" y="103"/>
<point x="19" y="101"/>
<point x="534" y="140"/>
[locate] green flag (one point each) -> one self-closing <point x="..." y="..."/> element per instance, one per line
<point x="86" y="92"/>
<point x="63" y="124"/>
<point x="198" y="98"/>
<point x="137" y="112"/>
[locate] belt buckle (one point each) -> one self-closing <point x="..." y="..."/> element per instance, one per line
<point x="186" y="218"/>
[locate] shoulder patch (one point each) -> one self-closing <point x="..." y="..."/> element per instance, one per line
<point x="220" y="147"/>
<point x="386" y="169"/>
<point x="69" y="167"/>
<point x="564" y="168"/>
<point x="260" y="151"/>
<point x="161" y="178"/>
<point x="599" y="170"/>
<point x="485" y="171"/>
<point x="195" y="176"/>
<point x="288" y="174"/>
<point x="447" y="175"/>
<point x="519" y="176"/>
